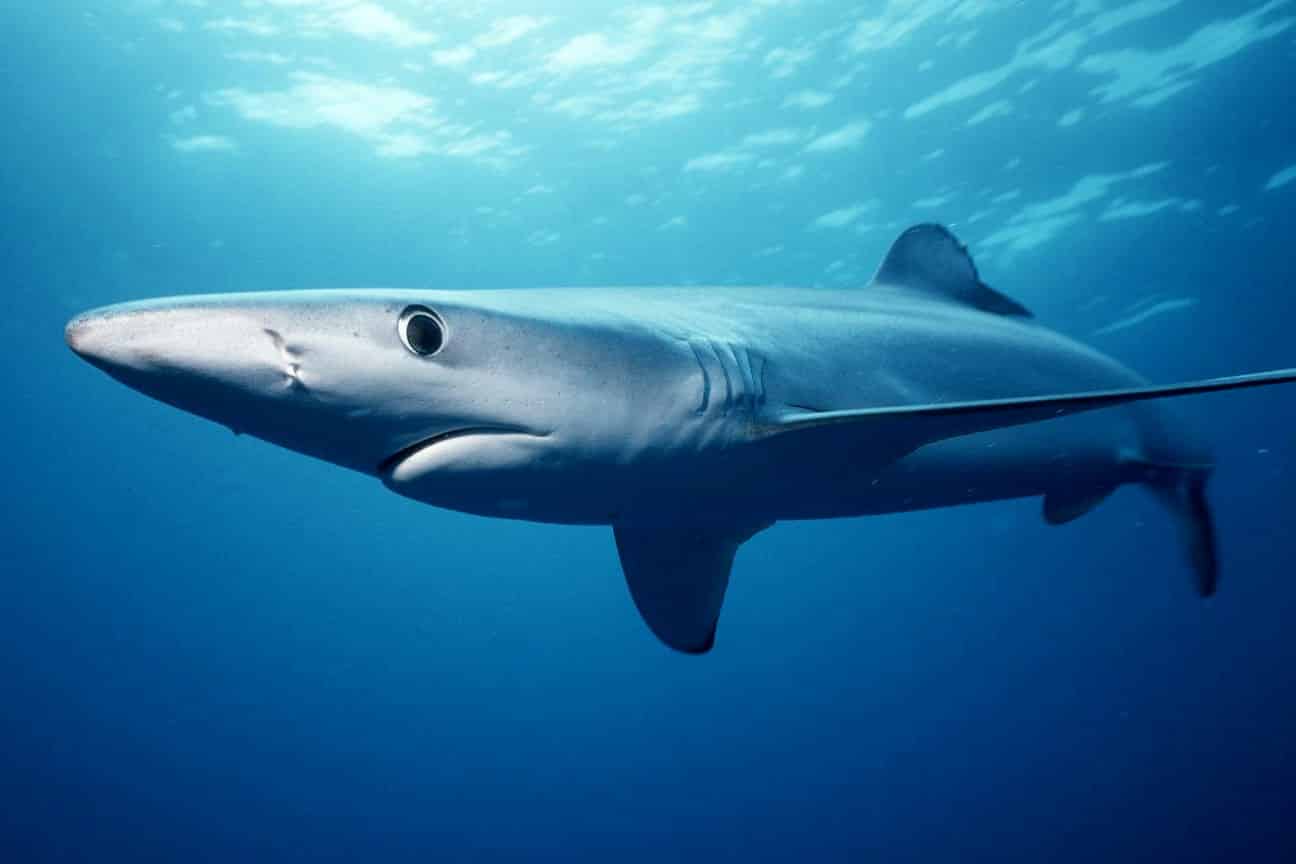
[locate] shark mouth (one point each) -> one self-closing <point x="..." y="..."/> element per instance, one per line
<point x="392" y="462"/>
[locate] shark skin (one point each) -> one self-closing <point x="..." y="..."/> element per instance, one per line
<point x="687" y="419"/>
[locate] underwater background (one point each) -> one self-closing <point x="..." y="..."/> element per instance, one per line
<point x="215" y="650"/>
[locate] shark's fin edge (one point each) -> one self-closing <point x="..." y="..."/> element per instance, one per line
<point x="1066" y="505"/>
<point x="904" y="428"/>
<point x="677" y="570"/>
<point x="930" y="260"/>
<point x="1182" y="491"/>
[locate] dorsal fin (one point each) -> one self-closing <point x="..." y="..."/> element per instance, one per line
<point x="930" y="259"/>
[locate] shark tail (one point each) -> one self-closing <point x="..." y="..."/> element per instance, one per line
<point x="1181" y="489"/>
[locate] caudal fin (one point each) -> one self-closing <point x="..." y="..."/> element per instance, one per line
<point x="1183" y="492"/>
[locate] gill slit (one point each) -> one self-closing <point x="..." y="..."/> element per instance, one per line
<point x="706" y="381"/>
<point x="724" y="370"/>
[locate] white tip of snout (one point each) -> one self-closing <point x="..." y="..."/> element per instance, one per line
<point x="80" y="335"/>
<point x="102" y="338"/>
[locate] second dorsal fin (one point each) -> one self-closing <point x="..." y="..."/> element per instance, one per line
<point x="929" y="259"/>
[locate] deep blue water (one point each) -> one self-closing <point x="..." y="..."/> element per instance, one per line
<point x="212" y="649"/>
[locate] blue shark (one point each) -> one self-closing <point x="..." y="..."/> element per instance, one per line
<point x="688" y="420"/>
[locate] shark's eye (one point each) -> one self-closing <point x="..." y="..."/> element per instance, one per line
<point x="421" y="330"/>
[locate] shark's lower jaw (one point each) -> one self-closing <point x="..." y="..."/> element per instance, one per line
<point x="388" y="467"/>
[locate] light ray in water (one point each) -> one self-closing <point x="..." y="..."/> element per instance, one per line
<point x="1146" y="314"/>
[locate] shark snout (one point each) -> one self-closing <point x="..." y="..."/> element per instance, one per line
<point x="178" y="346"/>
<point x="228" y="362"/>
<point x="76" y="334"/>
<point x="100" y="338"/>
<point x="169" y="338"/>
<point x="123" y="338"/>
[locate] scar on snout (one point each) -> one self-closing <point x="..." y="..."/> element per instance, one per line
<point x="285" y="350"/>
<point x="292" y="369"/>
<point x="274" y="337"/>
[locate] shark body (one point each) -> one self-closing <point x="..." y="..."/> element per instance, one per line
<point x="688" y="420"/>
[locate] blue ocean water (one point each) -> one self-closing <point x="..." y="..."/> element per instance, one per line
<point x="212" y="649"/>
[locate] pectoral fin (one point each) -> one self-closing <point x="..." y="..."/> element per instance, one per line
<point x="677" y="570"/>
<point x="902" y="429"/>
